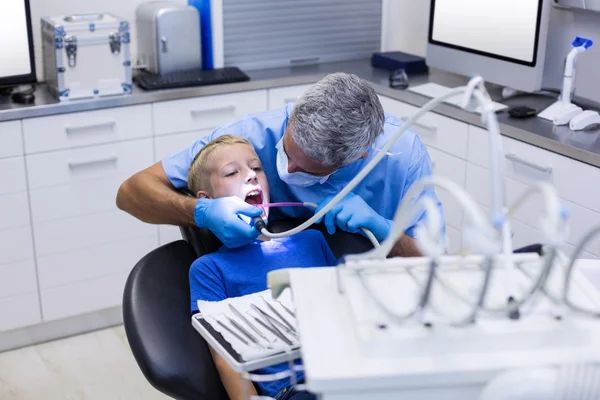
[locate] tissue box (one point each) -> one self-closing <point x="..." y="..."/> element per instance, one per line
<point x="86" y="56"/>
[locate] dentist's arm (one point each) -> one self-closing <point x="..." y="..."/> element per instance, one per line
<point x="149" y="196"/>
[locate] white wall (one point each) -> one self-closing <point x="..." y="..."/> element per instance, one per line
<point x="121" y="8"/>
<point x="405" y="26"/>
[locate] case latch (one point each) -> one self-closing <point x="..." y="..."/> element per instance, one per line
<point x="71" y="49"/>
<point x="115" y="43"/>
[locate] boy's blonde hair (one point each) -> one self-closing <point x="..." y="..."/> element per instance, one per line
<point x="200" y="170"/>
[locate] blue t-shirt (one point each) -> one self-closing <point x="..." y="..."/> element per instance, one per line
<point x="234" y="272"/>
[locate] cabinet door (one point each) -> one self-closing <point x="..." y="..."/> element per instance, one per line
<point x="436" y="131"/>
<point x="87" y="128"/>
<point x="11" y="139"/>
<point x="207" y="112"/>
<point x="280" y="97"/>
<point x="454" y="169"/>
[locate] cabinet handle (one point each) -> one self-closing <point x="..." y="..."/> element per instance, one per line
<point x="229" y="109"/>
<point x="427" y="128"/>
<point x="517" y="159"/>
<point x="87" y="163"/>
<point x="79" y="128"/>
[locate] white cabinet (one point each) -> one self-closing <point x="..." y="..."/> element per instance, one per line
<point x="434" y="130"/>
<point x="279" y="97"/>
<point x="19" y="311"/>
<point x="205" y="113"/>
<point x="11" y="140"/>
<point x="87" y="128"/>
<point x="454" y="169"/>
<point x="166" y="145"/>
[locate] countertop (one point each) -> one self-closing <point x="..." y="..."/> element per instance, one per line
<point x="583" y="146"/>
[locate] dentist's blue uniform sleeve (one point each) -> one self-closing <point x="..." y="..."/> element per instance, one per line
<point x="419" y="168"/>
<point x="177" y="165"/>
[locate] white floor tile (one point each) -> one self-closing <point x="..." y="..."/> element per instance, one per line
<point x="97" y="365"/>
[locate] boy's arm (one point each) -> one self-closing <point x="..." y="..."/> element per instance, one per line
<point x="207" y="284"/>
<point x="232" y="381"/>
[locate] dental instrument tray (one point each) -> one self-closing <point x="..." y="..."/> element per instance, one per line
<point x="250" y="332"/>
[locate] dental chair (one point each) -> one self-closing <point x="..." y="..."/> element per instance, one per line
<point x="173" y="357"/>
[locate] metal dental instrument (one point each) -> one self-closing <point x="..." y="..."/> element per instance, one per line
<point x="268" y="319"/>
<point x="274" y="332"/>
<point x="272" y="321"/>
<point x="228" y="329"/>
<point x="278" y="314"/>
<point x="244" y="331"/>
<point x="241" y="316"/>
<point x="286" y="309"/>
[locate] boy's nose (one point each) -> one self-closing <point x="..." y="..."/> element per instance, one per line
<point x="251" y="175"/>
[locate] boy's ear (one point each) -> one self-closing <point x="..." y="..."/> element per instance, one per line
<point x="202" y="195"/>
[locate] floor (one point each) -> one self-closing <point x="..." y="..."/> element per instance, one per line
<point x="97" y="365"/>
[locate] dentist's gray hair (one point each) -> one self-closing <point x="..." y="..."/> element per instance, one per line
<point x="337" y="119"/>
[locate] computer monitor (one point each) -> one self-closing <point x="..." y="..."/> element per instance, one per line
<point x="17" y="63"/>
<point x="504" y="41"/>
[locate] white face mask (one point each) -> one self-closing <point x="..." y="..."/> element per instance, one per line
<point x="295" y="178"/>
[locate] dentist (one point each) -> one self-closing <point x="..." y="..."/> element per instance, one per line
<point x="309" y="150"/>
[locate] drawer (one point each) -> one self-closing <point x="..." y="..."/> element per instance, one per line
<point x="88" y="232"/>
<point x="83" y="297"/>
<point x="85" y="196"/>
<point x="16" y="245"/>
<point x="574" y="180"/>
<point x="168" y="234"/>
<point x="454" y="240"/>
<point x="116" y="160"/>
<point x="14" y="210"/>
<point x="168" y="144"/>
<point x="581" y="219"/>
<point x="17" y="278"/>
<point x="454" y="169"/>
<point x="11" y="139"/>
<point x="87" y="128"/>
<point x="279" y="97"/>
<point x="207" y="112"/>
<point x="437" y="131"/>
<point x="93" y="263"/>
<point x="12" y="175"/>
<point x="19" y="311"/>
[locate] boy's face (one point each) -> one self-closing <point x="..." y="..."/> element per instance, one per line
<point x="237" y="171"/>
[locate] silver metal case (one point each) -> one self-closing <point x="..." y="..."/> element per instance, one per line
<point x="86" y="56"/>
<point x="168" y="37"/>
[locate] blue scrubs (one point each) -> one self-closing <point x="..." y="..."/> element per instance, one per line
<point x="383" y="188"/>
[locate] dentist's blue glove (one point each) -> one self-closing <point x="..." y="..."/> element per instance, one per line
<point x="353" y="213"/>
<point x="220" y="217"/>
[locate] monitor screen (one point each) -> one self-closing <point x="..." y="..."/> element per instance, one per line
<point x="504" y="29"/>
<point x="15" y="46"/>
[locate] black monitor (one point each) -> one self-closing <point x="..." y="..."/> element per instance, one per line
<point x="16" y="43"/>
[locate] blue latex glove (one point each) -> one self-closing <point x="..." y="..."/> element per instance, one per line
<point x="353" y="213"/>
<point x="220" y="217"/>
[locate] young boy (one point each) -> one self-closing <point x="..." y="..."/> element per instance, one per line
<point x="229" y="166"/>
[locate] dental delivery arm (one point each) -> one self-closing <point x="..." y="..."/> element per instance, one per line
<point x="150" y="197"/>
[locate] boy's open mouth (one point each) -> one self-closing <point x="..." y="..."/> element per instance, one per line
<point x="254" y="197"/>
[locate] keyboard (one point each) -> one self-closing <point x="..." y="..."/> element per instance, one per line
<point x="190" y="78"/>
